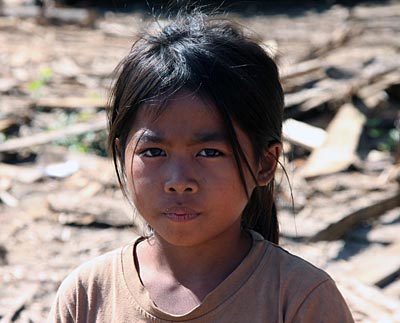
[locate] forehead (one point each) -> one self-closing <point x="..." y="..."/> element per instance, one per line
<point x="184" y="114"/>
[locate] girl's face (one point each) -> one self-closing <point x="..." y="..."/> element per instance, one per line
<point x="182" y="175"/>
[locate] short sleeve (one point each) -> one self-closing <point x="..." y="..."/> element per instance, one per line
<point x="65" y="304"/>
<point x="324" y="304"/>
<point x="60" y="312"/>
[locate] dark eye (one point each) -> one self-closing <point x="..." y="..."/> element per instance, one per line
<point x="208" y="152"/>
<point x="152" y="152"/>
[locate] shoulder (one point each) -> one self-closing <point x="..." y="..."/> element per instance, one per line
<point x="297" y="277"/>
<point x="294" y="266"/>
<point x="99" y="265"/>
<point x="98" y="269"/>
<point x="291" y="268"/>
<point x="305" y="292"/>
<point x="86" y="286"/>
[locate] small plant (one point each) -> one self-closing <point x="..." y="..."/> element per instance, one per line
<point x="91" y="142"/>
<point x="45" y="76"/>
<point x="382" y="136"/>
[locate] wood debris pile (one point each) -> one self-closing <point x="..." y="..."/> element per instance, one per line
<point x="60" y="203"/>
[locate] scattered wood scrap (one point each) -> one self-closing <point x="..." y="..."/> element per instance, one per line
<point x="100" y="210"/>
<point x="317" y="222"/>
<point x="372" y="210"/>
<point x="43" y="138"/>
<point x="71" y="103"/>
<point x="338" y="151"/>
<point x="301" y="68"/>
<point x="83" y="17"/>
<point x="23" y="174"/>
<point x="303" y="134"/>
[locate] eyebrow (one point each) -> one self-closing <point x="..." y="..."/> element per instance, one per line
<point x="205" y="137"/>
<point x="149" y="136"/>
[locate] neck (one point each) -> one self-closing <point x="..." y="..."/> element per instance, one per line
<point x="200" y="268"/>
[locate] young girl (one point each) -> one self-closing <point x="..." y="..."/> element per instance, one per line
<point x="195" y="135"/>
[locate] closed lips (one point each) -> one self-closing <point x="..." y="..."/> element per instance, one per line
<point x="180" y="213"/>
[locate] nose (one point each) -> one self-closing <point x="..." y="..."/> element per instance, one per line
<point x="180" y="181"/>
<point x="180" y="187"/>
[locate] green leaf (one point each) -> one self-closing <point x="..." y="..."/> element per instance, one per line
<point x="46" y="74"/>
<point x="35" y="86"/>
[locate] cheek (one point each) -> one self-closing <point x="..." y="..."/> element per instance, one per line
<point x="137" y="175"/>
<point x="142" y="189"/>
<point x="230" y="186"/>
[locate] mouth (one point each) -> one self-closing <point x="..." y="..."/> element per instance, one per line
<point x="180" y="214"/>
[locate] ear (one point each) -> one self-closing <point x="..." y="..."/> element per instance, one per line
<point x="267" y="164"/>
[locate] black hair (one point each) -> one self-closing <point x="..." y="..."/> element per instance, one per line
<point x="212" y="57"/>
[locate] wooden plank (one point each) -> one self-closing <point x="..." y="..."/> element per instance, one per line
<point x="80" y="16"/>
<point x="338" y="37"/>
<point x="302" y="134"/>
<point x="346" y="222"/>
<point x="375" y="95"/>
<point x="379" y="85"/>
<point x="297" y="98"/>
<point x="379" y="233"/>
<point x="23" y="174"/>
<point x="384" y="234"/>
<point x="301" y="69"/>
<point x="336" y="93"/>
<point x="101" y="209"/>
<point x="8" y="199"/>
<point x="299" y="83"/>
<point x="97" y="124"/>
<point x="332" y="215"/>
<point x="376" y="11"/>
<point x="338" y="151"/>
<point x="71" y="103"/>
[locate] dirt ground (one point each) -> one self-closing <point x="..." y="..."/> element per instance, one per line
<point x="60" y="204"/>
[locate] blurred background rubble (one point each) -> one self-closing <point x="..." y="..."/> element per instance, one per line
<point x="60" y="204"/>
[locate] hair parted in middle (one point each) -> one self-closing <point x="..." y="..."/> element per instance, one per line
<point x="214" y="59"/>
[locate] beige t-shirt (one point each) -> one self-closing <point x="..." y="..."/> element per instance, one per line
<point x="270" y="285"/>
